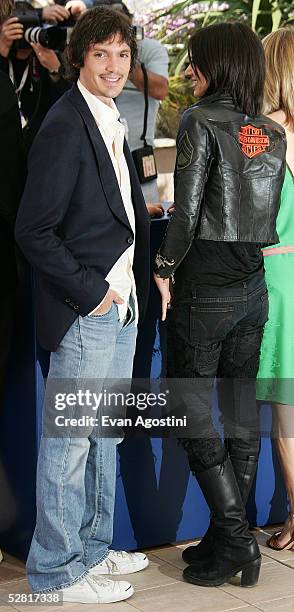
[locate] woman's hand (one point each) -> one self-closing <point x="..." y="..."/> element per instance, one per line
<point x="163" y="288"/>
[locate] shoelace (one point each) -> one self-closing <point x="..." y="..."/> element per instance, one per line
<point x="98" y="582"/>
<point x="120" y="553"/>
<point x="111" y="564"/>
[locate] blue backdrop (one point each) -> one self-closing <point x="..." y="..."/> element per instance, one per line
<point x="157" y="500"/>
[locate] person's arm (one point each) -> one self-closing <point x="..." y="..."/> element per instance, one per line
<point x="54" y="165"/>
<point x="54" y="13"/>
<point x="194" y="151"/>
<point x="52" y="62"/>
<point x="47" y="57"/>
<point x="155" y="59"/>
<point x="157" y="84"/>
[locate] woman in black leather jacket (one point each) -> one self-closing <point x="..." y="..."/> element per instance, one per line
<point x="229" y="173"/>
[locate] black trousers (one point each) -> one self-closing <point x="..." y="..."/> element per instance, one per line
<point x="216" y="332"/>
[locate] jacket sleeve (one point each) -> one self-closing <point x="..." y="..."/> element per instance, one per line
<point x="194" y="151"/>
<point x="54" y="164"/>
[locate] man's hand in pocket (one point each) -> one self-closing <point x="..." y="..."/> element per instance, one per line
<point x="111" y="296"/>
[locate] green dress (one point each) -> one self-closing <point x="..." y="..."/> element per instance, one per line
<point x="276" y="370"/>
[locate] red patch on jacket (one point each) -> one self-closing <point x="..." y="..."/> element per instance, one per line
<point x="253" y="141"/>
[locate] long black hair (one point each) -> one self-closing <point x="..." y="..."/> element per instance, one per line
<point x="231" y="58"/>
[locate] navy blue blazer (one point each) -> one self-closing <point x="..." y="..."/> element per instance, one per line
<point x="72" y="225"/>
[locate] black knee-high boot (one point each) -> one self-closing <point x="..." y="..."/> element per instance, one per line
<point x="244" y="462"/>
<point x="235" y="548"/>
<point x="244" y="457"/>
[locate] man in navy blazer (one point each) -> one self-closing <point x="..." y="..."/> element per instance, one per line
<point x="84" y="227"/>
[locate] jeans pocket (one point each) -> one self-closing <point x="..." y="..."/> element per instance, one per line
<point x="210" y="322"/>
<point x="213" y="308"/>
<point x="101" y="316"/>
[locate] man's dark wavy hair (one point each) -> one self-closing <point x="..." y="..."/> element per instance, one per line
<point x="231" y="57"/>
<point x="96" y="26"/>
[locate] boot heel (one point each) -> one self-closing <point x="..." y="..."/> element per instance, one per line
<point x="250" y="574"/>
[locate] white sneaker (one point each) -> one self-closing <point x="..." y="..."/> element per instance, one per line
<point x="120" y="562"/>
<point x="90" y="590"/>
<point x="1" y="556"/>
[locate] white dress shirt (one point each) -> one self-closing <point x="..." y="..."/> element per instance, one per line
<point x="120" y="277"/>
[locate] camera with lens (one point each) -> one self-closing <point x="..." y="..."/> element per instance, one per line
<point x="34" y="31"/>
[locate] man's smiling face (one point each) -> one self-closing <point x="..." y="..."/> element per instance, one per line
<point x="106" y="68"/>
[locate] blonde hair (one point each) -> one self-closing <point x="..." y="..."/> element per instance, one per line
<point x="279" y="79"/>
<point x="6" y="7"/>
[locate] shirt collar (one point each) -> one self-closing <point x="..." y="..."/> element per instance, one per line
<point x="104" y="115"/>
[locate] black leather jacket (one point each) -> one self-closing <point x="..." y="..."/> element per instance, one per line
<point x="228" y="179"/>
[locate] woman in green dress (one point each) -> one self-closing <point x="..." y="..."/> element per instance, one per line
<point x="276" y="371"/>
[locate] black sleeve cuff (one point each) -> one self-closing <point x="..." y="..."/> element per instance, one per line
<point x="164" y="267"/>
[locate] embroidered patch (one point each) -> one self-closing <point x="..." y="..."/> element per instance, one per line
<point x="185" y="152"/>
<point x="161" y="261"/>
<point x="253" y="141"/>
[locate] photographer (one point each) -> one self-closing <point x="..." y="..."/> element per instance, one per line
<point x="131" y="105"/>
<point x="34" y="71"/>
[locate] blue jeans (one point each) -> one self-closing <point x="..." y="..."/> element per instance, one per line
<point x="76" y="476"/>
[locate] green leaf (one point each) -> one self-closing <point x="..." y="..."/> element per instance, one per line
<point x="276" y="15"/>
<point x="255" y="11"/>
